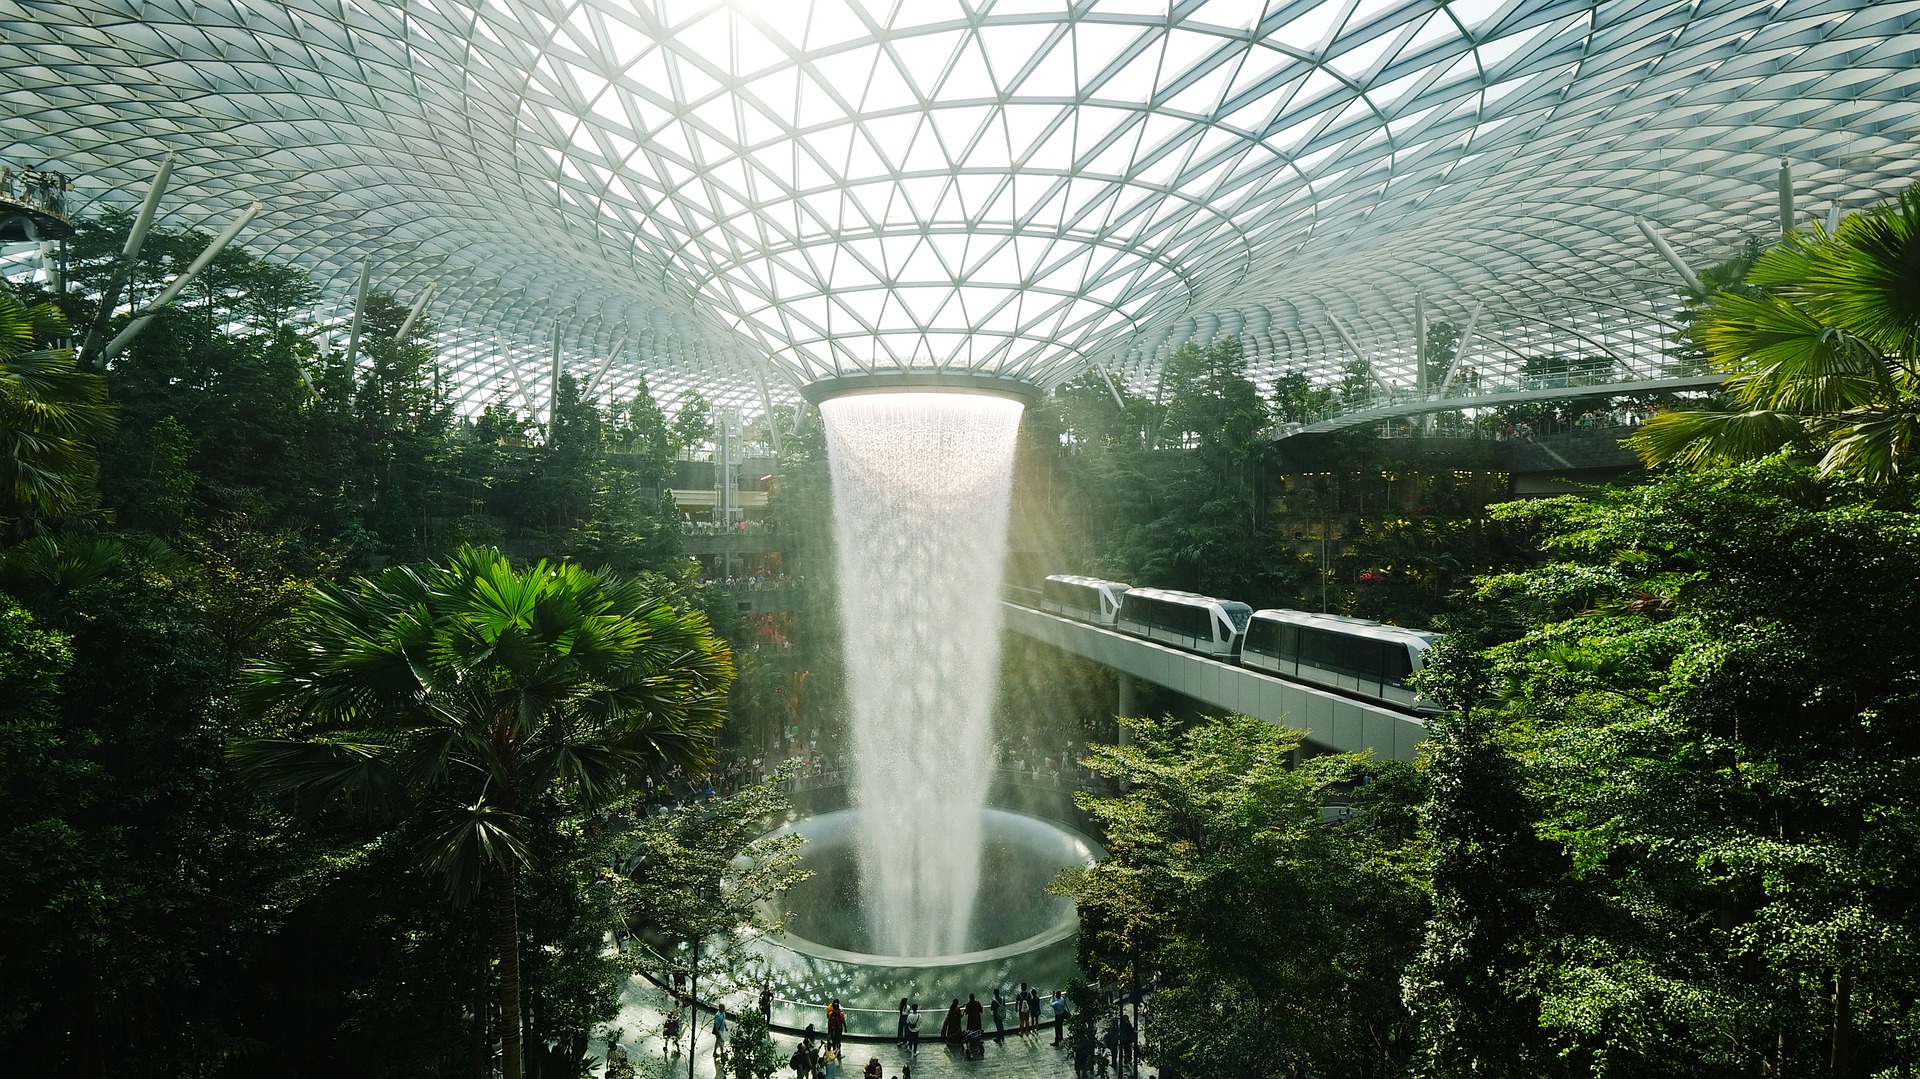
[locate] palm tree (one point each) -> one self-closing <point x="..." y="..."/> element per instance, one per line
<point x="50" y="410"/>
<point x="465" y="693"/>
<point x="1820" y="353"/>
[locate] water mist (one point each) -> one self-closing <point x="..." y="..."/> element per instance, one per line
<point x="921" y="484"/>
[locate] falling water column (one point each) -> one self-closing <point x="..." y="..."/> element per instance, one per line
<point x="920" y="492"/>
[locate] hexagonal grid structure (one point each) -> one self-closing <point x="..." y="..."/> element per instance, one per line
<point x="749" y="195"/>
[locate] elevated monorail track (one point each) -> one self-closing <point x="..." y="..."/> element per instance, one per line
<point x="1331" y="721"/>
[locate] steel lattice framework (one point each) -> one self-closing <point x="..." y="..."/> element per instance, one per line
<point x="749" y="195"/>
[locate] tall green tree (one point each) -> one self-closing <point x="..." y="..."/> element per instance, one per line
<point x="466" y="693"/>
<point x="1277" y="939"/>
<point x="705" y="876"/>
<point x="1674" y="831"/>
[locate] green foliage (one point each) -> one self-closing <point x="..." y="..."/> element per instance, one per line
<point x="1673" y="824"/>
<point x="703" y="872"/>
<point x="692" y="424"/>
<point x="158" y="914"/>
<point x="51" y="412"/>
<point x="465" y="695"/>
<point x="751" y="1053"/>
<point x="494" y="683"/>
<point x="46" y="863"/>
<point x="1297" y="400"/>
<point x="1442" y="345"/>
<point x="1172" y="486"/>
<point x="1277" y="938"/>
<point x="1818" y="343"/>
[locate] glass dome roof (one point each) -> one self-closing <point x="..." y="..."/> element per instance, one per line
<point x="747" y="196"/>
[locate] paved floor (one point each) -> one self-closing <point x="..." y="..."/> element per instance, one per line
<point x="643" y="1007"/>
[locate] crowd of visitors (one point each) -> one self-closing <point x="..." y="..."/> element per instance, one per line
<point x="691" y="527"/>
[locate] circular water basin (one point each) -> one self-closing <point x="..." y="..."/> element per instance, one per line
<point x="1019" y="932"/>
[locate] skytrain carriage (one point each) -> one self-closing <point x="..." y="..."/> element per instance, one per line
<point x="1088" y="599"/>
<point x="1197" y="623"/>
<point x="1355" y="656"/>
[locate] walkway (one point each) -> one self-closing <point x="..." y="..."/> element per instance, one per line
<point x="1419" y="406"/>
<point x="642" y="1004"/>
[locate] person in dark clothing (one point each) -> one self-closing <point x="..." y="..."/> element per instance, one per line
<point x="973" y="1014"/>
<point x="999" y="1016"/>
<point x="950" y="1029"/>
<point x="766" y="1005"/>
<point x="836" y="1023"/>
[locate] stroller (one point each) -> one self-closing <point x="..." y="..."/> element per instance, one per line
<point x="973" y="1045"/>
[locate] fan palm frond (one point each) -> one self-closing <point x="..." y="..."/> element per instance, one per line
<point x="464" y="842"/>
<point x="1702" y="438"/>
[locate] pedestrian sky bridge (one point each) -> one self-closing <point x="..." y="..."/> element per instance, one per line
<point x="1396" y="408"/>
<point x="746" y="197"/>
<point x="1330" y="720"/>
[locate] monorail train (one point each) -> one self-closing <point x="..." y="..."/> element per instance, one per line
<point x="1211" y="627"/>
<point x="1352" y="655"/>
<point x="1088" y="599"/>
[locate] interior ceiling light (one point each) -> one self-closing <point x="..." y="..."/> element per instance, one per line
<point x="749" y="196"/>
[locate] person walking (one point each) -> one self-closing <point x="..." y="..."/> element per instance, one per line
<point x="999" y="1016"/>
<point x="806" y="1057"/>
<point x="836" y="1023"/>
<point x="830" y="1063"/>
<point x="913" y="1029"/>
<point x="719" y="1037"/>
<point x="1059" y="1006"/>
<point x="900" y="1031"/>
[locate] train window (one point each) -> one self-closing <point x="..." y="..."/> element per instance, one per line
<point x="1193" y="622"/>
<point x="1398" y="664"/>
<point x="1062" y="593"/>
<point x="1264" y="637"/>
<point x="1355" y="657"/>
<point x="1289" y="642"/>
<point x="1318" y="648"/>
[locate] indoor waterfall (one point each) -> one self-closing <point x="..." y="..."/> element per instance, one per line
<point x="921" y="484"/>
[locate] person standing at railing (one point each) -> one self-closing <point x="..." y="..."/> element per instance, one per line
<point x="900" y="1029"/>
<point x="999" y="1016"/>
<point x="913" y="1029"/>
<point x="1059" y="1006"/>
<point x="1021" y="1010"/>
<point x="836" y="1023"/>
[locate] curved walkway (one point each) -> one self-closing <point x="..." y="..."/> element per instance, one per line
<point x="1420" y="406"/>
<point x="643" y="1005"/>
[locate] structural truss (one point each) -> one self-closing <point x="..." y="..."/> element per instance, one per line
<point x="745" y="196"/>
